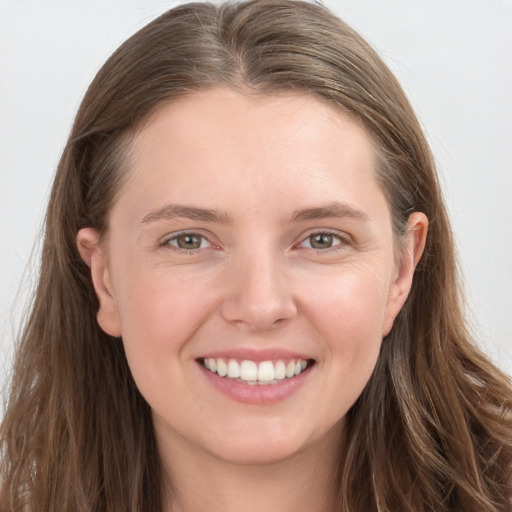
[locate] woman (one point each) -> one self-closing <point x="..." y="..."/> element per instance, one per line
<point x="248" y="293"/>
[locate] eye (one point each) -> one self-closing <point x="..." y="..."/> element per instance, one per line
<point x="188" y="241"/>
<point x="322" y="240"/>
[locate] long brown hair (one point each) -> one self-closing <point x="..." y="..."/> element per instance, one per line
<point x="432" y="430"/>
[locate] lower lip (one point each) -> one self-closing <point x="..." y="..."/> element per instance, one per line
<point x="257" y="394"/>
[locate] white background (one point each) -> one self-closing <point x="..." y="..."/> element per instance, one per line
<point x="452" y="56"/>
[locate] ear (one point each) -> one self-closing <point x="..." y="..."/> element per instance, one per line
<point x="409" y="257"/>
<point x="94" y="256"/>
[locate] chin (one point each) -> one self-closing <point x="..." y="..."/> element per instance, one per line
<point x="257" y="451"/>
<point x="270" y="442"/>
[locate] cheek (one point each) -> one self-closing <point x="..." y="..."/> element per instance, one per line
<point x="349" y="316"/>
<point x="352" y="304"/>
<point x="158" y="321"/>
<point x="159" y="309"/>
<point x="355" y="327"/>
<point x="158" y="315"/>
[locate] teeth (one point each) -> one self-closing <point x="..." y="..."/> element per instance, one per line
<point x="222" y="367"/>
<point x="280" y="370"/>
<point x="266" y="371"/>
<point x="233" y="369"/>
<point x="250" y="372"/>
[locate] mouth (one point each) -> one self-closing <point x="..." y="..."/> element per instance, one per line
<point x="262" y="373"/>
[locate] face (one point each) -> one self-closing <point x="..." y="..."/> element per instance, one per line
<point x="251" y="272"/>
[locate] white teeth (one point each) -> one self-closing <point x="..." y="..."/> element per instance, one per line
<point x="233" y="369"/>
<point x="266" y="371"/>
<point x="250" y="372"/>
<point x="280" y="370"/>
<point x="222" y="367"/>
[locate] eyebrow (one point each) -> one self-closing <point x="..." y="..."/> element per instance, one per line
<point x="330" y="211"/>
<point x="174" y="211"/>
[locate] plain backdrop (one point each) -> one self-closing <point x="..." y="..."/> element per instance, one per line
<point x="453" y="58"/>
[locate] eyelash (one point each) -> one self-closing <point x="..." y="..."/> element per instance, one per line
<point x="342" y="238"/>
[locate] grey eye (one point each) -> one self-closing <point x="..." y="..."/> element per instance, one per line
<point x="322" y="240"/>
<point x="188" y="241"/>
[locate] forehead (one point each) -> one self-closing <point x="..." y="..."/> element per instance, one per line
<point x="302" y="114"/>
<point x="283" y="146"/>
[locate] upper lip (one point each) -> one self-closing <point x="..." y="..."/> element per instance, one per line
<point x="256" y="355"/>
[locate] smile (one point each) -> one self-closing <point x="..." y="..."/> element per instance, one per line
<point x="252" y="372"/>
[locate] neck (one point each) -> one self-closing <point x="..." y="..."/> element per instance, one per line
<point x="198" y="482"/>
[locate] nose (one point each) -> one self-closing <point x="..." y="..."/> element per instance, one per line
<point x="258" y="296"/>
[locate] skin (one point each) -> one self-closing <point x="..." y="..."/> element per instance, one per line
<point x="255" y="282"/>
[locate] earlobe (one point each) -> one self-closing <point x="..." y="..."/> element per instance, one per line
<point x="412" y="251"/>
<point x="93" y="255"/>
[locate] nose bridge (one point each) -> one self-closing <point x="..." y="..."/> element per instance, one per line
<point x="259" y="296"/>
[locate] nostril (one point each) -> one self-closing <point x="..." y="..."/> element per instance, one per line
<point x="280" y="321"/>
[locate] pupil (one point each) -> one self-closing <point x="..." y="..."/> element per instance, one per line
<point x="321" y="241"/>
<point x="189" y="242"/>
